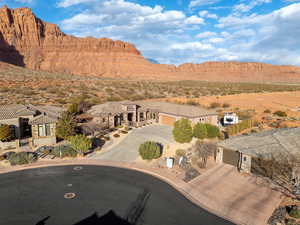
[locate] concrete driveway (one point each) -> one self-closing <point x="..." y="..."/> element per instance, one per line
<point x="235" y="195"/>
<point x="127" y="150"/>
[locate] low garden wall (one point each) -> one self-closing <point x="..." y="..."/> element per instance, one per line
<point x="9" y="145"/>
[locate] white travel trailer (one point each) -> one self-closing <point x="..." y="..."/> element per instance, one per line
<point x="230" y="118"/>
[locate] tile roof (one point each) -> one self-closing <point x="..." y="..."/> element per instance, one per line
<point x="279" y="142"/>
<point x="51" y="111"/>
<point x="42" y="119"/>
<point x="177" y="109"/>
<point x="18" y="110"/>
<point x="162" y="107"/>
<point x="14" y="111"/>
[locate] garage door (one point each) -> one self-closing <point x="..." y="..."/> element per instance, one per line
<point x="167" y="120"/>
<point x="230" y="157"/>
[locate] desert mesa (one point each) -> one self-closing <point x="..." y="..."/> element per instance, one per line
<point x="27" y="41"/>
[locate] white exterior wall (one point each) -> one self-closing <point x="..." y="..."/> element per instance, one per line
<point x="212" y="119"/>
<point x="219" y="155"/>
<point x="245" y="165"/>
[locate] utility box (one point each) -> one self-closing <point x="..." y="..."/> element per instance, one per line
<point x="170" y="163"/>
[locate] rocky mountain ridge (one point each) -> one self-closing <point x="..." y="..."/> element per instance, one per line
<point x="27" y="41"/>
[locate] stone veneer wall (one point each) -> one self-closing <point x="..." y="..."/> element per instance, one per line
<point x="35" y="130"/>
<point x="47" y="140"/>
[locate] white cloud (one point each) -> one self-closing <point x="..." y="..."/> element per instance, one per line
<point x="212" y="16"/>
<point x="194" y="20"/>
<point x="206" y="34"/>
<point x="205" y="13"/>
<point x="191" y="45"/>
<point x="216" y="40"/>
<point x="170" y="36"/>
<point x="67" y="3"/>
<point x="242" y="8"/>
<point x="268" y="37"/>
<point x="198" y="3"/>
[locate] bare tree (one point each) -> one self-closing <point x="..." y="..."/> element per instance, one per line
<point x="203" y="150"/>
<point x="282" y="171"/>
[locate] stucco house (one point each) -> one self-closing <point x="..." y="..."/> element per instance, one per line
<point x="241" y="151"/>
<point x="113" y="114"/>
<point x="33" y="125"/>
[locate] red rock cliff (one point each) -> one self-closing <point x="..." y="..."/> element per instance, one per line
<point x="28" y="41"/>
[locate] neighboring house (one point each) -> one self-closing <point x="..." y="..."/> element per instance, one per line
<point x="113" y="114"/>
<point x="241" y="151"/>
<point x="33" y="125"/>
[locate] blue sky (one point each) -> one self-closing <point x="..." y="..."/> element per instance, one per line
<point x="179" y="31"/>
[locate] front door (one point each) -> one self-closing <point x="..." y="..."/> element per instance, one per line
<point x="26" y="128"/>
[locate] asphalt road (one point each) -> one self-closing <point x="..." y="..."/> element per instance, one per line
<point x="104" y="195"/>
<point x="127" y="150"/>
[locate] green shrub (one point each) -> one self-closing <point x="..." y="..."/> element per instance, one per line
<point x="183" y="131"/>
<point x="149" y="150"/>
<point x="73" y="109"/>
<point x="180" y="152"/>
<point x="66" y="126"/>
<point x="22" y="158"/>
<point x="116" y="135"/>
<point x="64" y="151"/>
<point x="267" y="111"/>
<point x="295" y="213"/>
<point x="200" y="131"/>
<point x="280" y="113"/>
<point x="192" y="102"/>
<point x="212" y="131"/>
<point x="214" y="105"/>
<point x="226" y="105"/>
<point x="80" y="143"/>
<point x="237" y="128"/>
<point x="106" y="138"/>
<point x="6" y="133"/>
<point x="124" y="132"/>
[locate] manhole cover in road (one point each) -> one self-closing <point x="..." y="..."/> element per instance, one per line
<point x="69" y="195"/>
<point x="77" y="168"/>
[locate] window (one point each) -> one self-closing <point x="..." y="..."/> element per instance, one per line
<point x="44" y="130"/>
<point x="142" y="116"/>
<point x="41" y="130"/>
<point x="103" y="120"/>
<point x="245" y="158"/>
<point x="48" y="130"/>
